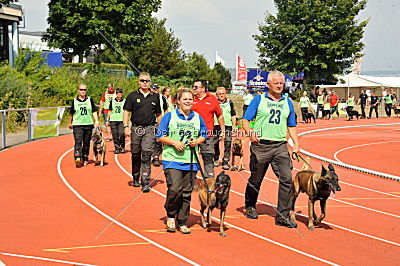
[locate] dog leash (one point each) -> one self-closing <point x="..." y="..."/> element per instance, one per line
<point x="193" y="152"/>
<point x="296" y="156"/>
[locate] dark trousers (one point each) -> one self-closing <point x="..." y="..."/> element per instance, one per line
<point x="82" y="136"/>
<point x="372" y="107"/>
<point x="334" y="109"/>
<point x="388" y="109"/>
<point x="362" y="110"/>
<point x="117" y="130"/>
<point x="276" y="154"/>
<point x="207" y="153"/>
<point x="244" y="109"/>
<point x="304" y="111"/>
<point x="320" y="108"/>
<point x="142" y="146"/>
<point x="227" y="144"/>
<point x="180" y="186"/>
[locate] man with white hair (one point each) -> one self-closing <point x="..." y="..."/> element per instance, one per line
<point x="274" y="117"/>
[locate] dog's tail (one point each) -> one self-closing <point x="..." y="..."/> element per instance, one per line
<point x="306" y="164"/>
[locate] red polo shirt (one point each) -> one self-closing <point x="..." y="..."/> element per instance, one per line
<point x="206" y="108"/>
<point x="333" y="100"/>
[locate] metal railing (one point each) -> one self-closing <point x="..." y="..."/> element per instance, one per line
<point x="16" y="126"/>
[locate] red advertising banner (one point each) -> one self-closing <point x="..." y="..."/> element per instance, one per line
<point x="241" y="69"/>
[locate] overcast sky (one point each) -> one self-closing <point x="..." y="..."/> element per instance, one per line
<point x="227" y="26"/>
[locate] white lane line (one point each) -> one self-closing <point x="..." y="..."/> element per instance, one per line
<point x="365" y="188"/>
<point x="361" y="145"/>
<point x="353" y="132"/>
<point x="45" y="259"/>
<point x="111" y="219"/>
<point x="239" y="228"/>
<point x="331" y="224"/>
<point x="352" y="204"/>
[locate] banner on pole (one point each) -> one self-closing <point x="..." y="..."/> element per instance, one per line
<point x="46" y="122"/>
<point x="241" y="69"/>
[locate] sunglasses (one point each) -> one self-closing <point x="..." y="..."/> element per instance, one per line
<point x="82" y="89"/>
<point x="144" y="80"/>
<point x="196" y="87"/>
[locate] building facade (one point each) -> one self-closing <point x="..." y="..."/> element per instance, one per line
<point x="10" y="17"/>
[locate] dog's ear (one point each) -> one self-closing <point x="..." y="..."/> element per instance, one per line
<point x="330" y="167"/>
<point x="323" y="171"/>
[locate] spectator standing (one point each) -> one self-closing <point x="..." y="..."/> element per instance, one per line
<point x="304" y="104"/>
<point x="374" y="105"/>
<point x="246" y="99"/>
<point x="320" y="104"/>
<point x="83" y="118"/>
<point x="106" y="98"/>
<point x="207" y="106"/>
<point x="144" y="108"/>
<point x="115" y="120"/>
<point x="228" y="111"/>
<point x="362" y="101"/>
<point x="334" y="102"/>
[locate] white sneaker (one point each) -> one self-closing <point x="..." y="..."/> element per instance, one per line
<point x="171" y="225"/>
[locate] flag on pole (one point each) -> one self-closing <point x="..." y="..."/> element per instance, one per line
<point x="241" y="69"/>
<point x="218" y="59"/>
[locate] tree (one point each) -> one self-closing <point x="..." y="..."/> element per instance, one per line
<point x="6" y="2"/>
<point x="318" y="37"/>
<point x="78" y="25"/>
<point x="225" y="75"/>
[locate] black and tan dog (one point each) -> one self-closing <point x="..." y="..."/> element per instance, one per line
<point x="308" y="116"/>
<point x="353" y="113"/>
<point x="216" y="197"/>
<point x="237" y="150"/>
<point x="318" y="186"/>
<point x="99" y="148"/>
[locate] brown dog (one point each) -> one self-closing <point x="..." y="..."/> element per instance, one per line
<point x="237" y="150"/>
<point x="318" y="186"/>
<point x="216" y="197"/>
<point x="99" y="148"/>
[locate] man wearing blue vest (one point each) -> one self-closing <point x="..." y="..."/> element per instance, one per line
<point x="274" y="118"/>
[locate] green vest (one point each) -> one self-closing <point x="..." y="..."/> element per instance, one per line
<point x="83" y="113"/>
<point x="247" y="99"/>
<point x="181" y="130"/>
<point x="304" y="102"/>
<point x="350" y="101"/>
<point x="327" y="106"/>
<point x="117" y="110"/>
<point x="226" y="112"/>
<point x="320" y="99"/>
<point x="271" y="119"/>
<point x="109" y="97"/>
<point x="388" y="99"/>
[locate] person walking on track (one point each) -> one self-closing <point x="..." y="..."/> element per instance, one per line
<point x="362" y="101"/>
<point x="228" y="111"/>
<point x="106" y="98"/>
<point x="179" y="130"/>
<point x="83" y="118"/>
<point x="144" y="108"/>
<point x="246" y="100"/>
<point x="207" y="106"/>
<point x="388" y="99"/>
<point x="274" y="118"/>
<point x="304" y="104"/>
<point x="350" y="103"/>
<point x="320" y="104"/>
<point x="334" y="102"/>
<point x="374" y="105"/>
<point x="115" y="120"/>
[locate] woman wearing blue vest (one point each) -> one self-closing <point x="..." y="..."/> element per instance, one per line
<point x="83" y="118"/>
<point x="178" y="130"/>
<point x="115" y="120"/>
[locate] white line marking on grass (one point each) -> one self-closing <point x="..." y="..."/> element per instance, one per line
<point x="111" y="219"/>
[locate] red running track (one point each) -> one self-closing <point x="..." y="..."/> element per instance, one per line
<point x="43" y="216"/>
